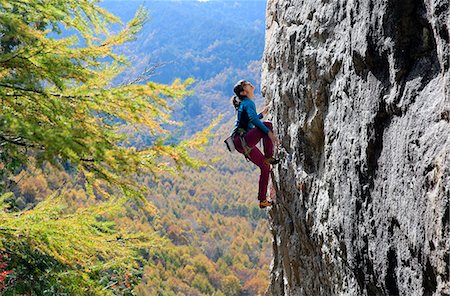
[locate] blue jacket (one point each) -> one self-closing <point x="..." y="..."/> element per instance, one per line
<point x="247" y="117"/>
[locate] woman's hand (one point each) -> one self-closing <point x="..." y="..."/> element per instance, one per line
<point x="265" y="110"/>
<point x="273" y="137"/>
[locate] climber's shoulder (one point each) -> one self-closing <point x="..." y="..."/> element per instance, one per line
<point x="248" y="104"/>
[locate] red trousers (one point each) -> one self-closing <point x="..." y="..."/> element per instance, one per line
<point x="252" y="137"/>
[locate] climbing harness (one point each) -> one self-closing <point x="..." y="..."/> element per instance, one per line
<point x="229" y="143"/>
<point x="241" y="132"/>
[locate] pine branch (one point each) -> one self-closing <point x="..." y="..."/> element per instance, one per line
<point x="18" y="53"/>
<point x="44" y="93"/>
<point x="145" y="75"/>
<point x="17" y="141"/>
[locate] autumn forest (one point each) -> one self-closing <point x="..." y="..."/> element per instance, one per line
<point x="113" y="175"/>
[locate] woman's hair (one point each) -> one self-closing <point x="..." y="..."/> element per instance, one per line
<point x="237" y="98"/>
<point x="235" y="101"/>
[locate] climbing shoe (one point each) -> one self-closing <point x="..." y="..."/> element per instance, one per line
<point x="265" y="203"/>
<point x="272" y="160"/>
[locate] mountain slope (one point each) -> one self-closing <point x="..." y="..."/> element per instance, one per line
<point x="193" y="38"/>
<point x="215" y="42"/>
<point x="215" y="225"/>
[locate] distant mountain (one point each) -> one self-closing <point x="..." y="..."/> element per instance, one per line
<point x="193" y="38"/>
<point x="215" y="42"/>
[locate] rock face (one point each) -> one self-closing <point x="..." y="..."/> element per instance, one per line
<point x="361" y="103"/>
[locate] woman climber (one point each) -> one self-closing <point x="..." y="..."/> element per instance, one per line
<point x="249" y="130"/>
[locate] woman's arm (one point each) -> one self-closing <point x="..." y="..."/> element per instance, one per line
<point x="254" y="118"/>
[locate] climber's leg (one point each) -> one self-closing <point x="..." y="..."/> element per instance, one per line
<point x="258" y="158"/>
<point x="255" y="135"/>
<point x="267" y="142"/>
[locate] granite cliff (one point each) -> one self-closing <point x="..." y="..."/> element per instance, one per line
<point x="360" y="94"/>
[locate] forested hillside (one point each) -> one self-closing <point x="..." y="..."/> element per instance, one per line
<point x="213" y="220"/>
<point x="216" y="42"/>
<point x="101" y="191"/>
<point x="193" y="38"/>
<point x="207" y="233"/>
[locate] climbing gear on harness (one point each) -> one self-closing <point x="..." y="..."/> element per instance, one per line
<point x="265" y="203"/>
<point x="241" y="132"/>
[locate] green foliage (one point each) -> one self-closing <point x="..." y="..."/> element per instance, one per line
<point x="231" y="285"/>
<point x="60" y="106"/>
<point x="199" y="211"/>
<point x="55" y="250"/>
<point x="58" y="100"/>
<point x="201" y="283"/>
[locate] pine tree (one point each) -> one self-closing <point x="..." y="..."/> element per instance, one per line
<point x="61" y="104"/>
<point x="58" y="99"/>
